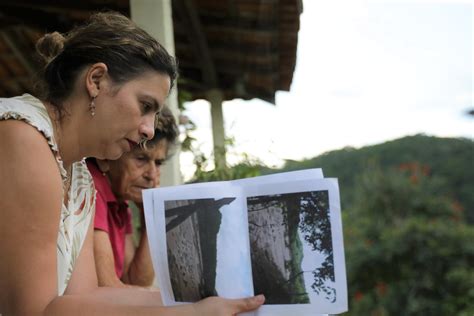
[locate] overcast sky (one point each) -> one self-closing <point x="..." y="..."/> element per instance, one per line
<point x="365" y="73"/>
<point x="234" y="268"/>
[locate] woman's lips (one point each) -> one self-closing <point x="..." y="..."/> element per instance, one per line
<point x="132" y="144"/>
<point x="140" y="187"/>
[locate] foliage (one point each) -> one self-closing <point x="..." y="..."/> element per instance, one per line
<point x="315" y="224"/>
<point x="408" y="214"/>
<point x="245" y="169"/>
<point x="298" y="290"/>
<point x="448" y="159"/>
<point x="136" y="222"/>
<point x="408" y="248"/>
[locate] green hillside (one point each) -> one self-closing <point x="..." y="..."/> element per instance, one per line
<point x="449" y="160"/>
<point x="408" y="215"/>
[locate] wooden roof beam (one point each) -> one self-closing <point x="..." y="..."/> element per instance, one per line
<point x="14" y="45"/>
<point x="197" y="37"/>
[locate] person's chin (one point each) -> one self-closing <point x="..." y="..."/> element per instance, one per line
<point x="117" y="152"/>
<point x="137" y="197"/>
<point x="114" y="155"/>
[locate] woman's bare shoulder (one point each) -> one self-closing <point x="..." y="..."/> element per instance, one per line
<point x="29" y="219"/>
<point x="26" y="154"/>
<point x="27" y="161"/>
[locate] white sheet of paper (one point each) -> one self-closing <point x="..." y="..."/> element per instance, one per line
<point x="233" y="277"/>
<point x="233" y="259"/>
<point x="312" y="258"/>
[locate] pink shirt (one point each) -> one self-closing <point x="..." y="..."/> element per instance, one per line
<point x="112" y="217"/>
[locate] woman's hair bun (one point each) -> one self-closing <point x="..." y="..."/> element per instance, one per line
<point x="50" y="45"/>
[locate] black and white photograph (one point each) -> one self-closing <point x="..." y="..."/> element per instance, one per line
<point x="191" y="234"/>
<point x="291" y="247"/>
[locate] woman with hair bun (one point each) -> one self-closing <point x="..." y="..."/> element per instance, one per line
<point x="101" y="87"/>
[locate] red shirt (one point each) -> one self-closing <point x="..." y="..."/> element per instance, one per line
<point x="112" y="217"/>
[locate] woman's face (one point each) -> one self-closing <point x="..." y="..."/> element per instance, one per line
<point x="137" y="170"/>
<point x="126" y="114"/>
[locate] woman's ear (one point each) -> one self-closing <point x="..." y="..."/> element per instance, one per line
<point x="95" y="76"/>
<point x="104" y="165"/>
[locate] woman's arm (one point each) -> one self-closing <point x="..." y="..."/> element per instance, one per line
<point x="31" y="190"/>
<point x="138" y="267"/>
<point x="116" y="301"/>
<point x="104" y="260"/>
<point x="29" y="219"/>
<point x="30" y="212"/>
<point x="84" y="297"/>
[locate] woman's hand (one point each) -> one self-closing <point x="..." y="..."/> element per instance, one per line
<point x="217" y="306"/>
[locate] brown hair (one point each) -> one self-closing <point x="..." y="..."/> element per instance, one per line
<point x="111" y="38"/>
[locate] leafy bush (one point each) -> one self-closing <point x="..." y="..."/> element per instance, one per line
<point x="408" y="248"/>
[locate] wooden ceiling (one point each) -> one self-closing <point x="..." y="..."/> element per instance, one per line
<point x="245" y="48"/>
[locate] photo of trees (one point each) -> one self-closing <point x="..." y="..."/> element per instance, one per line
<point x="291" y="247"/>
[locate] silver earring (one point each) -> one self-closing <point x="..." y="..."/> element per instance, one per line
<point x="92" y="106"/>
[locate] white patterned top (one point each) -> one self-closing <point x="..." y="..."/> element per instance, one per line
<point x="76" y="215"/>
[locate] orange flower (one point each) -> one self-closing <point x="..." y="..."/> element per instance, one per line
<point x="457" y="207"/>
<point x="358" y="296"/>
<point x="381" y="288"/>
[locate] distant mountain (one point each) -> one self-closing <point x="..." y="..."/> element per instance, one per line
<point x="448" y="159"/>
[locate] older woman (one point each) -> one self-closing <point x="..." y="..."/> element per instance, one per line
<point x="117" y="260"/>
<point x="103" y="84"/>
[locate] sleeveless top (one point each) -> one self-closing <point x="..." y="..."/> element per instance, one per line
<point x="76" y="215"/>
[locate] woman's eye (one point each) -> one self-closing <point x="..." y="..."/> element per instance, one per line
<point x="147" y="107"/>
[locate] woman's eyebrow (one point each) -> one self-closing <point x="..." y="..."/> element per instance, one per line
<point x="154" y="102"/>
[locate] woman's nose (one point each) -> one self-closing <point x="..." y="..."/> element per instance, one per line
<point x="147" y="128"/>
<point x="153" y="172"/>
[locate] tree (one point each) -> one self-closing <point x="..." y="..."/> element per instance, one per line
<point x="447" y="158"/>
<point x="409" y="250"/>
<point x="315" y="225"/>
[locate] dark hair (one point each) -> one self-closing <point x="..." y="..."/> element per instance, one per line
<point x="111" y="38"/>
<point x="165" y="129"/>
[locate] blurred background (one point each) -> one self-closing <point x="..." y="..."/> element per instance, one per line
<point x="377" y="93"/>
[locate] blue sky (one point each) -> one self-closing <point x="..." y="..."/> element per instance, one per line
<point x="366" y="72"/>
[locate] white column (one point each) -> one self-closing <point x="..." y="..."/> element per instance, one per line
<point x="155" y="17"/>
<point x="215" y="97"/>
